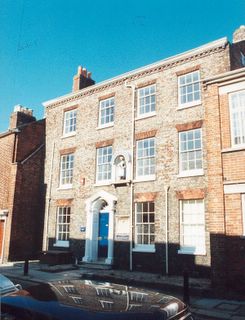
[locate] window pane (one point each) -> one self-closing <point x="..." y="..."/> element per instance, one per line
<point x="189" y="87"/>
<point x="144" y="223"/>
<point x="190" y="150"/>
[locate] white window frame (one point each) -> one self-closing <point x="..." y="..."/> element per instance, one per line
<point x="70" y="122"/>
<point x="61" y="214"/>
<point x="240" y="122"/>
<point x="243" y="213"/>
<point x="106" y="161"/>
<point x="186" y="249"/>
<point x="146" y="156"/>
<point x="191" y="84"/>
<point x="66" y="170"/>
<point x="195" y="171"/>
<point x="141" y="247"/>
<point x="110" y="108"/>
<point x="141" y="95"/>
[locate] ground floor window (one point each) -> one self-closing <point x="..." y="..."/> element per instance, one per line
<point x="63" y="226"/>
<point x="145" y="226"/>
<point x="192" y="227"/>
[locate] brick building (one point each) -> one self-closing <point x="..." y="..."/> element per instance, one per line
<point x="127" y="170"/>
<point x="21" y="186"/>
<point x="225" y="120"/>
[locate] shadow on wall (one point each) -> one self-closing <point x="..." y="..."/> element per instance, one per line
<point x="227" y="268"/>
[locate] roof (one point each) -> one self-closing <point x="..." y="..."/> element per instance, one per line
<point x="149" y="69"/>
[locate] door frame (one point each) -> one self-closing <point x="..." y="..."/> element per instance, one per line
<point x="93" y="206"/>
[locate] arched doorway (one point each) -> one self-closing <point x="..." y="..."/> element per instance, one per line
<point x="100" y="210"/>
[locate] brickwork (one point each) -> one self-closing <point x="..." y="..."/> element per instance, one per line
<point x="225" y="184"/>
<point x="165" y="125"/>
<point x="22" y="190"/>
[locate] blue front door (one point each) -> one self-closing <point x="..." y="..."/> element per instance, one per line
<point x="103" y="234"/>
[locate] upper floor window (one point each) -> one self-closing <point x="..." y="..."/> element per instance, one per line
<point x="70" y="121"/>
<point x="145" y="166"/>
<point x="190" y="152"/>
<point x="106" y="112"/>
<point x="104" y="156"/>
<point x="192" y="232"/>
<point x="145" y="225"/>
<point x="237" y="115"/>
<point x="66" y="170"/>
<point x="146" y="100"/>
<point x="189" y="89"/>
<point x="63" y="226"/>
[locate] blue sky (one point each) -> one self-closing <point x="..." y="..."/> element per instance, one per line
<point x="43" y="42"/>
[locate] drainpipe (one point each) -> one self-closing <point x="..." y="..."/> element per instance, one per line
<point x="132" y="86"/>
<point x="166" y="188"/>
<point x="45" y="238"/>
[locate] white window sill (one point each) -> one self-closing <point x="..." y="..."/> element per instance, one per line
<point x="192" y="252"/>
<point x="65" y="187"/>
<point x="108" y="125"/>
<point x="72" y="134"/>
<point x="240" y="147"/>
<point x="191" y="173"/>
<point x="145" y="178"/>
<point x="145" y="248"/>
<point x="189" y="105"/>
<point x="64" y="244"/>
<point x="145" y="115"/>
<point x="102" y="183"/>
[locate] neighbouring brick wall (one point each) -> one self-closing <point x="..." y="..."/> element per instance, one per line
<point x="215" y="197"/>
<point x="7" y="148"/>
<point x="22" y="190"/>
<point x="234" y="166"/>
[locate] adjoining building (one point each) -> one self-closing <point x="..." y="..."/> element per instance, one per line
<point x="225" y="121"/>
<point x="128" y="174"/>
<point x="22" y="187"/>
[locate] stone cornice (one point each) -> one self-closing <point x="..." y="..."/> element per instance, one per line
<point x="191" y="55"/>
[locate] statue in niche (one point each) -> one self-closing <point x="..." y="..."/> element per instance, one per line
<point x="121" y="168"/>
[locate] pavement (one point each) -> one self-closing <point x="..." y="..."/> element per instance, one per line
<point x="202" y="300"/>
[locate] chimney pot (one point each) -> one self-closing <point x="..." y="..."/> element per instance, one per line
<point x="82" y="79"/>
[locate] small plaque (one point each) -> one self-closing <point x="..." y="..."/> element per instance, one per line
<point x="82" y="229"/>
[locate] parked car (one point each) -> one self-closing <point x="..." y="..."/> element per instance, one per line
<point x="7" y="286"/>
<point x="87" y="299"/>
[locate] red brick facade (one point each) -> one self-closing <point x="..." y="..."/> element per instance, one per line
<point x="226" y="182"/>
<point x="21" y="187"/>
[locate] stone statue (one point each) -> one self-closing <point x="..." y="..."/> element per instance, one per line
<point x="121" y="169"/>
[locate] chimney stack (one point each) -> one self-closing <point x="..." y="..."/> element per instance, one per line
<point x="20" y="116"/>
<point x="82" y="79"/>
<point x="239" y="34"/>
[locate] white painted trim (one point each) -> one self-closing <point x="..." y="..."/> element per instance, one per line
<point x="144" y="248"/>
<point x="68" y="135"/>
<point x="60" y="243"/>
<point x="93" y="207"/>
<point x="3" y="216"/>
<point x="146" y="115"/>
<point x="232" y="87"/>
<point x="191" y="173"/>
<point x="187" y="105"/>
<point x="234" y="188"/>
<point x="107" y="125"/>
<point x="184" y="250"/>
<point x="151" y="177"/>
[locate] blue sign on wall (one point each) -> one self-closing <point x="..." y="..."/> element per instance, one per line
<point x="82" y="229"/>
